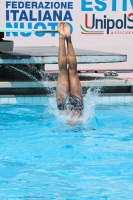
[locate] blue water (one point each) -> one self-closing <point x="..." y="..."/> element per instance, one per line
<point x="41" y="157"/>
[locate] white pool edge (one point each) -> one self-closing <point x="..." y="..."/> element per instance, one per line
<point x="43" y="100"/>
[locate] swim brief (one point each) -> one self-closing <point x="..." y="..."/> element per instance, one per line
<point x="71" y="103"/>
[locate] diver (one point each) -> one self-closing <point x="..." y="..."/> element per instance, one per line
<point x="69" y="90"/>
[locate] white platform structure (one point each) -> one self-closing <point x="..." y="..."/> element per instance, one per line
<point x="21" y="58"/>
<point x="49" y="55"/>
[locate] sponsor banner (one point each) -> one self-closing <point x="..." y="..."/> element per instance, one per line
<point x="95" y="24"/>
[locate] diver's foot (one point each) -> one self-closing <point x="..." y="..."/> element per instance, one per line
<point x="61" y="31"/>
<point x="67" y="30"/>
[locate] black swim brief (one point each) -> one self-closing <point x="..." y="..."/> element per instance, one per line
<point x="71" y="103"/>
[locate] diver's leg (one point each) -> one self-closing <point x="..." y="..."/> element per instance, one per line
<point x="75" y="85"/>
<point x="62" y="88"/>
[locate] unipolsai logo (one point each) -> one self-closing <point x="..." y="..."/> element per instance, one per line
<point x="107" y="24"/>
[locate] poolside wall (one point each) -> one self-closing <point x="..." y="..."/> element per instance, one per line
<point x="42" y="100"/>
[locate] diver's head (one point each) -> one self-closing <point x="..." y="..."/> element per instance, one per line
<point x="74" y="117"/>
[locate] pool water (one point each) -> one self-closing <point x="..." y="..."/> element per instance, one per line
<point x="42" y="157"/>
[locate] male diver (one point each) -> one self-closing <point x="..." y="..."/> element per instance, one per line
<point x="68" y="91"/>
